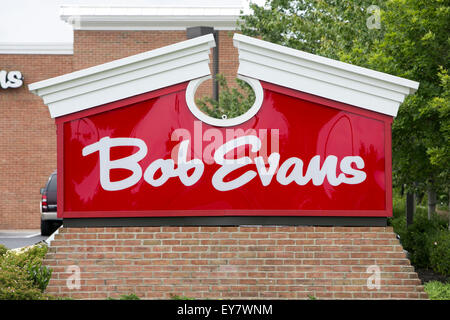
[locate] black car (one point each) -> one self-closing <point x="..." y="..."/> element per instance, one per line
<point x="49" y="221"/>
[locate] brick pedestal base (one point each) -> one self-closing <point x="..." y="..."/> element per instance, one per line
<point x="231" y="262"/>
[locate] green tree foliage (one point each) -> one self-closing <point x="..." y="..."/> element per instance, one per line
<point x="232" y="101"/>
<point x="329" y="28"/>
<point x="406" y="38"/>
<point x="416" y="46"/>
<point x="438" y="150"/>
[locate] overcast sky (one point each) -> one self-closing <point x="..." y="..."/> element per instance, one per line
<point x="38" y="20"/>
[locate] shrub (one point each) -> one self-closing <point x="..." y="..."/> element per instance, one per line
<point x="3" y="250"/>
<point x="26" y="256"/>
<point x="130" y="296"/>
<point x="15" y="284"/>
<point x="437" y="290"/>
<point x="419" y="239"/>
<point x="440" y="253"/>
<point x="427" y="241"/>
<point x="22" y="275"/>
<point x="177" y="297"/>
<point x="40" y="275"/>
<point x="398" y="219"/>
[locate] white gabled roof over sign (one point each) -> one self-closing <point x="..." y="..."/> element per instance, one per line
<point x="123" y="78"/>
<point x="189" y="60"/>
<point x="335" y="80"/>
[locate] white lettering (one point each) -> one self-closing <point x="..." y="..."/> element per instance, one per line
<point x="328" y="170"/>
<point x="12" y="79"/>
<point x="264" y="174"/>
<point x="296" y="173"/>
<point x="129" y="163"/>
<point x="190" y="171"/>
<point x="229" y="165"/>
<point x="346" y="167"/>
<point x="317" y="174"/>
<point x="188" y="310"/>
<point x="167" y="171"/>
<point x="184" y="166"/>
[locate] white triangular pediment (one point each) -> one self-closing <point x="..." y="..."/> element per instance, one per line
<point x="189" y="60"/>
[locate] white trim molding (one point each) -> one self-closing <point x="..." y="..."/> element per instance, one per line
<point x="63" y="48"/>
<point x="258" y="61"/>
<point x="123" y="78"/>
<point x="149" y="18"/>
<point x="331" y="79"/>
<point x="224" y="122"/>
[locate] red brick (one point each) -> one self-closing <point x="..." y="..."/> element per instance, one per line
<point x="254" y="270"/>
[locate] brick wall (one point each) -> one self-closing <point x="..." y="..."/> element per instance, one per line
<point x="27" y="139"/>
<point x="228" y="56"/>
<point x="96" y="47"/>
<point x="231" y="262"/>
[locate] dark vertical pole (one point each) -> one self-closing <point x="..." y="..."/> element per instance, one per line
<point x="216" y="66"/>
<point x="194" y="32"/>
<point x="409" y="208"/>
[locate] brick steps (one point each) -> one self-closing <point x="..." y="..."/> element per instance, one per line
<point x="232" y="262"/>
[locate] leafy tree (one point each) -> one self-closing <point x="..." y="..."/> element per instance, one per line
<point x="439" y="150"/>
<point x="329" y="28"/>
<point x="406" y="38"/>
<point x="416" y="46"/>
<point x="232" y="101"/>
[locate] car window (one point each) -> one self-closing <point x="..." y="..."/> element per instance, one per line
<point x="52" y="184"/>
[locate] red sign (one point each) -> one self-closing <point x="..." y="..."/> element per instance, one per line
<point x="300" y="155"/>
